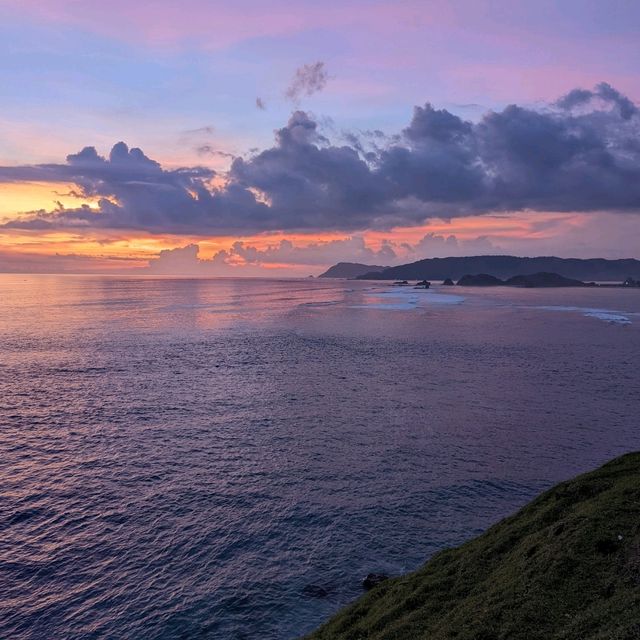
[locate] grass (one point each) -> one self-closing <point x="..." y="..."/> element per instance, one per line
<point x="565" y="567"/>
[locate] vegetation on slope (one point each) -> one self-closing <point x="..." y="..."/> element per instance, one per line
<point x="567" y="566"/>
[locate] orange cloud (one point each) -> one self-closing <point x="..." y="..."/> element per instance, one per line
<point x="111" y="249"/>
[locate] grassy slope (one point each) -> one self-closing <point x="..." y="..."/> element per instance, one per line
<point x="554" y="570"/>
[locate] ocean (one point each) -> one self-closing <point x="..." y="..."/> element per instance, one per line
<point x="227" y="458"/>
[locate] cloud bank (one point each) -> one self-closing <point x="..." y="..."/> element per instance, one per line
<point x="580" y="154"/>
<point x="186" y="261"/>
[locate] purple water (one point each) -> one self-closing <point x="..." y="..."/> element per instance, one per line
<point x="205" y="458"/>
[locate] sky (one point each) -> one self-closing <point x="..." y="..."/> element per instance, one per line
<point x="264" y="137"/>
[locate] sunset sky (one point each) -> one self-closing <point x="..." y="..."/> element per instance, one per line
<point x="254" y="138"/>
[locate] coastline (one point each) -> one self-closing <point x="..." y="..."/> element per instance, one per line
<point x="567" y="565"/>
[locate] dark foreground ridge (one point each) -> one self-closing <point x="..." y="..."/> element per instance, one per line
<point x="566" y="566"/>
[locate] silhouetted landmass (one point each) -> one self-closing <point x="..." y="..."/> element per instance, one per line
<point x="598" y="269"/>
<point x="566" y="567"/>
<point x="544" y="280"/>
<point x="350" y="270"/>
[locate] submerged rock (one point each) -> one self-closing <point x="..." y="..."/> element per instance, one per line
<point x="315" y="591"/>
<point x="373" y="579"/>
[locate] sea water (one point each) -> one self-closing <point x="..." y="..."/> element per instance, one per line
<point x="202" y="458"/>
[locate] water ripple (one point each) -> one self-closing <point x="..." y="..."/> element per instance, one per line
<point x="169" y="472"/>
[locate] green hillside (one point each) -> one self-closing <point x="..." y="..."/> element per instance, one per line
<point x="566" y="566"/>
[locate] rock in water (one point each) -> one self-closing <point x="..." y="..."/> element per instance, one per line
<point x="565" y="567"/>
<point x="373" y="579"/>
<point x="479" y="280"/>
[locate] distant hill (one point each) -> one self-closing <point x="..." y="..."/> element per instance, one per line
<point x="544" y="280"/>
<point x="479" y="280"/>
<point x="350" y="270"/>
<point x="541" y="279"/>
<point x="566" y="567"/>
<point x="505" y="267"/>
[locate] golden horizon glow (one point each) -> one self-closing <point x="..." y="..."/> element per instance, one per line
<point x="135" y="249"/>
<point x="121" y="249"/>
<point x="19" y="198"/>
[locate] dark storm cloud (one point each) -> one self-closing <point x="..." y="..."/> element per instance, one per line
<point x="582" y="155"/>
<point x="308" y="181"/>
<point x="307" y="80"/>
<point x="133" y="191"/>
<point x="604" y="92"/>
<point x="519" y="159"/>
<point x="96" y="174"/>
<point x="436" y="160"/>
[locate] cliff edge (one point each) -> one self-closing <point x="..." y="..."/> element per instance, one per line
<point x="565" y="567"/>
